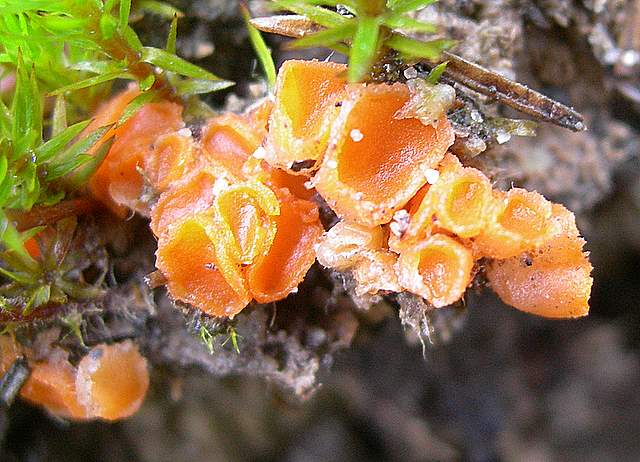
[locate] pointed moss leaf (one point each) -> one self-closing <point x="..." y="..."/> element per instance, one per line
<point x="58" y="142"/>
<point x="21" y="278"/>
<point x="125" y="10"/>
<point x="132" y="39"/>
<point x="319" y="15"/>
<point x="146" y="83"/>
<point x="412" y="48"/>
<point x="198" y="87"/>
<point x="407" y="6"/>
<point x="262" y="50"/>
<point x="364" y="47"/>
<point x="108" y="26"/>
<point x="326" y="37"/>
<point x="91" y="81"/>
<point x="160" y="8"/>
<point x="12" y="241"/>
<point x="173" y="34"/>
<point x="409" y="24"/>
<point x="26" y="109"/>
<point x="74" y="156"/>
<point x="436" y="73"/>
<point x="98" y="67"/>
<point x="173" y="63"/>
<point x="80" y="176"/>
<point x="5" y="119"/>
<point x="135" y="104"/>
<point x="4" y="164"/>
<point x="59" y="117"/>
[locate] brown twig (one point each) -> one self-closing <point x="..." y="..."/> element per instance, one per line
<point x="461" y="71"/>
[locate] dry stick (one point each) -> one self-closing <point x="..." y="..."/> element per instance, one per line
<point x="471" y="75"/>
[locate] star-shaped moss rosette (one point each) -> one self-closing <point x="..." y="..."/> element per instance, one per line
<point x="364" y="30"/>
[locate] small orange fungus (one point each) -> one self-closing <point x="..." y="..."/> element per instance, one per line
<point x="308" y="97"/>
<point x="552" y="281"/>
<point x="246" y="214"/>
<point x="438" y="269"/>
<point x="112" y="380"/>
<point x="229" y="140"/>
<point x="172" y="158"/>
<point x="117" y="182"/>
<point x="375" y="162"/>
<point x="109" y="383"/>
<point x="360" y="250"/>
<point x="460" y="200"/>
<point x="521" y="220"/>
<point x="199" y="271"/>
<point x="278" y="273"/>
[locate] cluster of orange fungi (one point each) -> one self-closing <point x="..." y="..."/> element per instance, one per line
<point x="233" y="212"/>
<point x="110" y="381"/>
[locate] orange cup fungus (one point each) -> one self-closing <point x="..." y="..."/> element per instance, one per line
<point x="375" y="162"/>
<point x="552" y="280"/>
<point x="235" y="219"/>
<point x="438" y="269"/>
<point x="109" y="383"/>
<point x="308" y="98"/>
<point x="117" y="182"/>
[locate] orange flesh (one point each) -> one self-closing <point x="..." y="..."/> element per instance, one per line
<point x="308" y="96"/>
<point x="275" y="275"/>
<point x="229" y="140"/>
<point x="463" y="210"/>
<point x="248" y="212"/>
<point x="171" y="159"/>
<point x="522" y="222"/>
<point x="189" y="260"/>
<point x="527" y="213"/>
<point x="194" y="195"/>
<point x="554" y="281"/>
<point x="307" y="88"/>
<point x="382" y="168"/>
<point x="52" y="386"/>
<point x="439" y="269"/>
<point x="117" y="182"/>
<point x="113" y="380"/>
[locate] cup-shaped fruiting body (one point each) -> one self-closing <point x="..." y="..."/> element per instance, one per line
<point x="51" y="382"/>
<point x="276" y="178"/>
<point x="117" y="183"/>
<point x="552" y="281"/>
<point x="245" y="215"/>
<point x="439" y="269"/>
<point x="112" y="380"/>
<point x="375" y="163"/>
<point x="308" y="98"/>
<point x="189" y="197"/>
<point x="275" y="275"/>
<point x="173" y="157"/>
<point x="258" y="117"/>
<point x="200" y="271"/>
<point x="360" y="250"/>
<point x="229" y="140"/>
<point x="521" y="220"/>
<point x="460" y="201"/>
<point x="109" y="383"/>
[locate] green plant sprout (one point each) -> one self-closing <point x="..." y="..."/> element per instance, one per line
<point x="365" y="29"/>
<point x="59" y="52"/>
